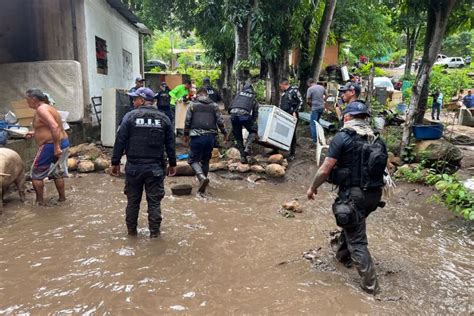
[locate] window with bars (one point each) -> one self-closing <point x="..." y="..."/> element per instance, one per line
<point x="101" y="55"/>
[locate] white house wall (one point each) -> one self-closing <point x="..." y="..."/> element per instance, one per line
<point x="105" y="22"/>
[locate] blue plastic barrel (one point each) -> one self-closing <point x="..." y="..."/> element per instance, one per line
<point x="428" y="132"/>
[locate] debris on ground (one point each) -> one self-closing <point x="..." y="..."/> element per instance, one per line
<point x="275" y="170"/>
<point x="86" y="158"/>
<point x="312" y="254"/>
<point x="293" y="206"/>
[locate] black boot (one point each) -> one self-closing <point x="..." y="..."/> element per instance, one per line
<point x="203" y="180"/>
<point x="248" y="146"/>
<point x="205" y="169"/>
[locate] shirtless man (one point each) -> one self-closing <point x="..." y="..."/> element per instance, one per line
<point x="53" y="142"/>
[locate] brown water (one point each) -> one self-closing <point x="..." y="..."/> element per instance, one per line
<point x="231" y="254"/>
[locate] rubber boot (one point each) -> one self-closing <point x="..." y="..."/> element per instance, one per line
<point x="203" y="180"/>
<point x="243" y="156"/>
<point x="205" y="169"/>
<point x="248" y="146"/>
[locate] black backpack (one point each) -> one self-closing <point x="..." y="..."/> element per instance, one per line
<point x="370" y="161"/>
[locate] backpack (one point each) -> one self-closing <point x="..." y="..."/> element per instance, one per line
<point x="370" y="160"/>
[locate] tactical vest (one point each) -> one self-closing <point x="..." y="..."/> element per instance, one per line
<point x="244" y="101"/>
<point x="204" y="116"/>
<point x="368" y="164"/>
<point x="147" y="135"/>
<point x="287" y="103"/>
<point x="163" y="99"/>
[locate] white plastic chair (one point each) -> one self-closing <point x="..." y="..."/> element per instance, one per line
<point x="321" y="143"/>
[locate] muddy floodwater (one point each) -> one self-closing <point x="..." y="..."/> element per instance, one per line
<point x="231" y="254"/>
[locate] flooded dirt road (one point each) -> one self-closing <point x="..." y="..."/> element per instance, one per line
<point x="232" y="254"/>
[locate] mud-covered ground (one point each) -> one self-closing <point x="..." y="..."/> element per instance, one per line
<point x="233" y="253"/>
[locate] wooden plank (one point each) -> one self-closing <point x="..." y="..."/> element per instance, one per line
<point x="26" y="121"/>
<point x="20" y="104"/>
<point x="24" y="113"/>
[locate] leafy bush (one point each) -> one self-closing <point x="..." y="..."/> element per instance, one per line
<point x="412" y="175"/>
<point x="260" y="88"/>
<point x="455" y="196"/>
<point x="398" y="55"/>
<point x="392" y="136"/>
<point x="452" y="192"/>
<point x="364" y="70"/>
<point x="450" y="81"/>
<point x="199" y="74"/>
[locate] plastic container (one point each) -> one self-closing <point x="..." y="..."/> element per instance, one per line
<point x="428" y="132"/>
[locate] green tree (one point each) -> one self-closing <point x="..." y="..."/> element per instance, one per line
<point x="365" y="27"/>
<point x="437" y="22"/>
<point x="409" y="17"/>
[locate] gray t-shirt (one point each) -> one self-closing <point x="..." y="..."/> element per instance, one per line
<point x="316" y="95"/>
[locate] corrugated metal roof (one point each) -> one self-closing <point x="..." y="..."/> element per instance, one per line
<point x="123" y="10"/>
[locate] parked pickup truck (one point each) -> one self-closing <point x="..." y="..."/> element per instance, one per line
<point x="451" y="62"/>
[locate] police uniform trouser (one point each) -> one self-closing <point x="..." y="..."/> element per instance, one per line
<point x="353" y="240"/>
<point x="167" y="110"/>
<point x="150" y="177"/>
<point x="201" y="150"/>
<point x="238" y="123"/>
<point x="293" y="141"/>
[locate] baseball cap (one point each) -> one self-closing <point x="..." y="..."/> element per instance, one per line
<point x="139" y="78"/>
<point x="356" y="107"/>
<point x="350" y="86"/>
<point x="145" y="93"/>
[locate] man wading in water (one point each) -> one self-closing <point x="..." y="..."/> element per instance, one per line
<point x="355" y="162"/>
<point x="53" y="142"/>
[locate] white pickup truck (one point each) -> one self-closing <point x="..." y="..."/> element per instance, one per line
<point x="451" y="62"/>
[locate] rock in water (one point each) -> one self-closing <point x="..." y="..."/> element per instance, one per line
<point x="257" y="169"/>
<point x="233" y="167"/>
<point x="215" y="156"/>
<point x="293" y="206"/>
<point x="260" y="159"/>
<point x="184" y="169"/>
<point x="233" y="153"/>
<point x="243" y="168"/>
<point x="439" y="149"/>
<point x="72" y="164"/>
<point x="275" y="170"/>
<point x="218" y="166"/>
<point x="101" y="164"/>
<point x="85" y="166"/>
<point x="277" y="158"/>
<point x="90" y="150"/>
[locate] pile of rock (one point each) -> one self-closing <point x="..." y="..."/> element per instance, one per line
<point x="86" y="158"/>
<point x="274" y="166"/>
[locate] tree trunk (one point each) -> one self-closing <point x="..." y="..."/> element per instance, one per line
<point x="225" y="81"/>
<point x="412" y="38"/>
<point x="370" y="87"/>
<point x="304" y="68"/>
<point x="263" y="69"/>
<point x="242" y="47"/>
<point x="322" y="38"/>
<point x="420" y="113"/>
<point x="438" y="14"/>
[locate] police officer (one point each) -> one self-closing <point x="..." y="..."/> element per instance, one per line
<point x="202" y="121"/>
<point x="144" y="134"/>
<point x="244" y="114"/>
<point x="163" y="101"/>
<point x="290" y="102"/>
<point x="211" y="92"/>
<point x="139" y="83"/>
<point x="355" y="162"/>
